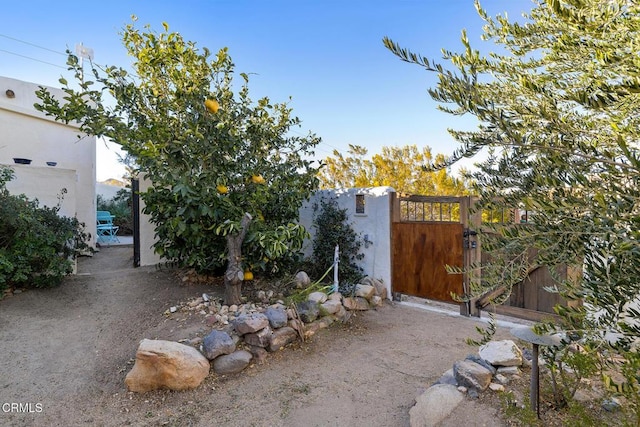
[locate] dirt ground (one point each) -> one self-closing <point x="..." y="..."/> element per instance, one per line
<point x="64" y="354"/>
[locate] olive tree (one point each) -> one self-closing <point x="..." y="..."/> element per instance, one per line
<point x="558" y="107"/>
<point x="228" y="176"/>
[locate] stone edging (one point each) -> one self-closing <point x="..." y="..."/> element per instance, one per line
<point x="242" y="335"/>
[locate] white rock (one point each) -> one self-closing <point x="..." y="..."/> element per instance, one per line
<point x="173" y="309"/>
<point x="501" y="353"/>
<point x="496" y="387"/>
<point x="318" y="297"/>
<point x="434" y="405"/>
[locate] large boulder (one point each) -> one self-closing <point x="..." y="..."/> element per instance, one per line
<point x="166" y="364"/>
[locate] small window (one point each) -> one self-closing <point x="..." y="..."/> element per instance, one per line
<point x="359" y="203"/>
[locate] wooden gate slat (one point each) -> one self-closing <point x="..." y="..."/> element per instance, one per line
<point x="420" y="253"/>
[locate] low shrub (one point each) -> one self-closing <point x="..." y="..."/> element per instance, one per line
<point x="37" y="245"/>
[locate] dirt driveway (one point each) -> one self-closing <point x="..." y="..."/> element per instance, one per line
<point x="64" y="354"/>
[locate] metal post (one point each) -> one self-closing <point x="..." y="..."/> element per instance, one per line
<point x="535" y="382"/>
<point x="527" y="334"/>
<point x="336" y="261"/>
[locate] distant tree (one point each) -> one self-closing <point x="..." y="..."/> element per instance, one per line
<point x="559" y="106"/>
<point x="402" y="168"/>
<point x="228" y="179"/>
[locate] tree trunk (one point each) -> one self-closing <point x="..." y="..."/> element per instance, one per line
<point x="234" y="275"/>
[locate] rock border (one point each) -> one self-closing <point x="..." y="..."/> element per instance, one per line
<point x="246" y="334"/>
<point x="486" y="370"/>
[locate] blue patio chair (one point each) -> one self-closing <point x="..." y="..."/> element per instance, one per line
<point x="105" y="229"/>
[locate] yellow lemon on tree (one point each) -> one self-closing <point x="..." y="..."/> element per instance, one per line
<point x="257" y="179"/>
<point x="222" y="189"/>
<point x="248" y="275"/>
<point x="212" y="105"/>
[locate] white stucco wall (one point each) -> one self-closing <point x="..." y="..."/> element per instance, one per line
<point x="147" y="232"/>
<point x="374" y="224"/>
<point x="44" y="184"/>
<point x="27" y="133"/>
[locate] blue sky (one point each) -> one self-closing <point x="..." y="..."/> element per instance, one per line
<point x="327" y="55"/>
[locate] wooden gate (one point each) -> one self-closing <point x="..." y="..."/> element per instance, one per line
<point x="429" y="232"/>
<point x="529" y="299"/>
<point x="427" y="235"/>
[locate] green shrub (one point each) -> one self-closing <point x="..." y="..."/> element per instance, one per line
<point x="120" y="206"/>
<point x="331" y="229"/>
<point x="37" y="246"/>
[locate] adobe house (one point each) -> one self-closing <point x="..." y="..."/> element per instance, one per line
<point x="58" y="158"/>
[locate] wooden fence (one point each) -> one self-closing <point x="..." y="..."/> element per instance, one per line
<point x="428" y="233"/>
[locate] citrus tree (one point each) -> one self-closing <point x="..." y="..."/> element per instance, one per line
<point x="228" y="177"/>
<point x="403" y="168"/>
<point x="559" y="111"/>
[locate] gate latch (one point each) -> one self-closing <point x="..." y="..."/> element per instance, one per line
<point x="468" y="243"/>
